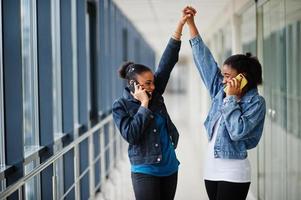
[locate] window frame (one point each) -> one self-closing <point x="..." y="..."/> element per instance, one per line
<point x="2" y="135"/>
<point x="30" y="93"/>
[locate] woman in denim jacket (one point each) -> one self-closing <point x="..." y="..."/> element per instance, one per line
<point x="142" y="119"/>
<point x="235" y="120"/>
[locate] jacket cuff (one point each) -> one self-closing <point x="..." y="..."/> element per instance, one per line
<point x="174" y="43"/>
<point x="195" y="40"/>
<point x="229" y="103"/>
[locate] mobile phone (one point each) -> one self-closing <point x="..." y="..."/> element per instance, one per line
<point x="132" y="87"/>
<point x="243" y="81"/>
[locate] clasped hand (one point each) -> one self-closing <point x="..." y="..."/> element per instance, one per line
<point x="188" y="14"/>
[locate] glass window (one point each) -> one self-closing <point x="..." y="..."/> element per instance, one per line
<point x="2" y="149"/>
<point x="124" y="44"/>
<point x="227" y="42"/>
<point x="32" y="188"/>
<point x="56" y="69"/>
<point x="57" y="93"/>
<point x="216" y="47"/>
<point x="293" y="63"/>
<point x="74" y="64"/>
<point x="275" y="79"/>
<point x="248" y="30"/>
<point x="29" y="62"/>
<point x="30" y="91"/>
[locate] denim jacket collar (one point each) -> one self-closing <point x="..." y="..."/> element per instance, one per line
<point x="249" y="95"/>
<point x="127" y="95"/>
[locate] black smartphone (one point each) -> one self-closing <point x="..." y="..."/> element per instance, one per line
<point x="132" y="87"/>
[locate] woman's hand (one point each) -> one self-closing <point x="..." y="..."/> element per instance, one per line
<point x="140" y="95"/>
<point x="188" y="14"/>
<point x="233" y="88"/>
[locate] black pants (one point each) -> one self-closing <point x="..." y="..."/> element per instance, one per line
<point x="148" y="187"/>
<point x="222" y="190"/>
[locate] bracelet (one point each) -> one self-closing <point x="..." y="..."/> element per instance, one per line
<point x="178" y="33"/>
<point x="176" y="37"/>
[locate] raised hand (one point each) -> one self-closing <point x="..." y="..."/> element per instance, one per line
<point x="188" y="14"/>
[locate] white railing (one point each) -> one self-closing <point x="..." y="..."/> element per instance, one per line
<point x="108" y="157"/>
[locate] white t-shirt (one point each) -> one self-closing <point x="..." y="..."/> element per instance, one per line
<point x="231" y="170"/>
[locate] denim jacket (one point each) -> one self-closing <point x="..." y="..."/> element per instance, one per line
<point x="242" y="120"/>
<point x="137" y="124"/>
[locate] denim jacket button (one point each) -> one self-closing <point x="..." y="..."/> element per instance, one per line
<point x="151" y="116"/>
<point x="156" y="145"/>
<point x="158" y="159"/>
<point x="155" y="130"/>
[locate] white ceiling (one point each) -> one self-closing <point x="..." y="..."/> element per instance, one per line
<point x="157" y="19"/>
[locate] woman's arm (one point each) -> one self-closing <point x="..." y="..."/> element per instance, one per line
<point x="169" y="58"/>
<point x="244" y="125"/>
<point x="132" y="128"/>
<point x="205" y="63"/>
<point x="167" y="62"/>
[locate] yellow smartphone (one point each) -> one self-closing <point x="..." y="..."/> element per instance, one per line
<point x="242" y="79"/>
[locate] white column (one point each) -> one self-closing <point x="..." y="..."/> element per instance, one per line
<point x="236" y="34"/>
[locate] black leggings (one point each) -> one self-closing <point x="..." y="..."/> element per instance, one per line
<point x="148" y="187"/>
<point x="222" y="190"/>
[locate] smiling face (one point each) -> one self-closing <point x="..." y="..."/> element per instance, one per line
<point x="146" y="81"/>
<point x="228" y="73"/>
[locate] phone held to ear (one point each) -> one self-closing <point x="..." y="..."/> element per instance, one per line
<point x="242" y="79"/>
<point x="132" y="87"/>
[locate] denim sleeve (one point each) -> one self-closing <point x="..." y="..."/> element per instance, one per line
<point x="244" y="125"/>
<point x="205" y="63"/>
<point x="131" y="128"/>
<point x="168" y="60"/>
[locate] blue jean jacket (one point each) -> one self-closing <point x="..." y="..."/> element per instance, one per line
<point x="242" y="120"/>
<point x="137" y="124"/>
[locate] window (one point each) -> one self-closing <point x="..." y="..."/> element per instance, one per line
<point x="30" y="91"/>
<point x="248" y="30"/>
<point x="91" y="34"/>
<point x="293" y="63"/>
<point x="57" y="93"/>
<point x="2" y="149"/>
<point x="124" y="44"/>
<point x="74" y="64"/>
<point x="30" y="86"/>
<point x="227" y="42"/>
<point x="56" y="69"/>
